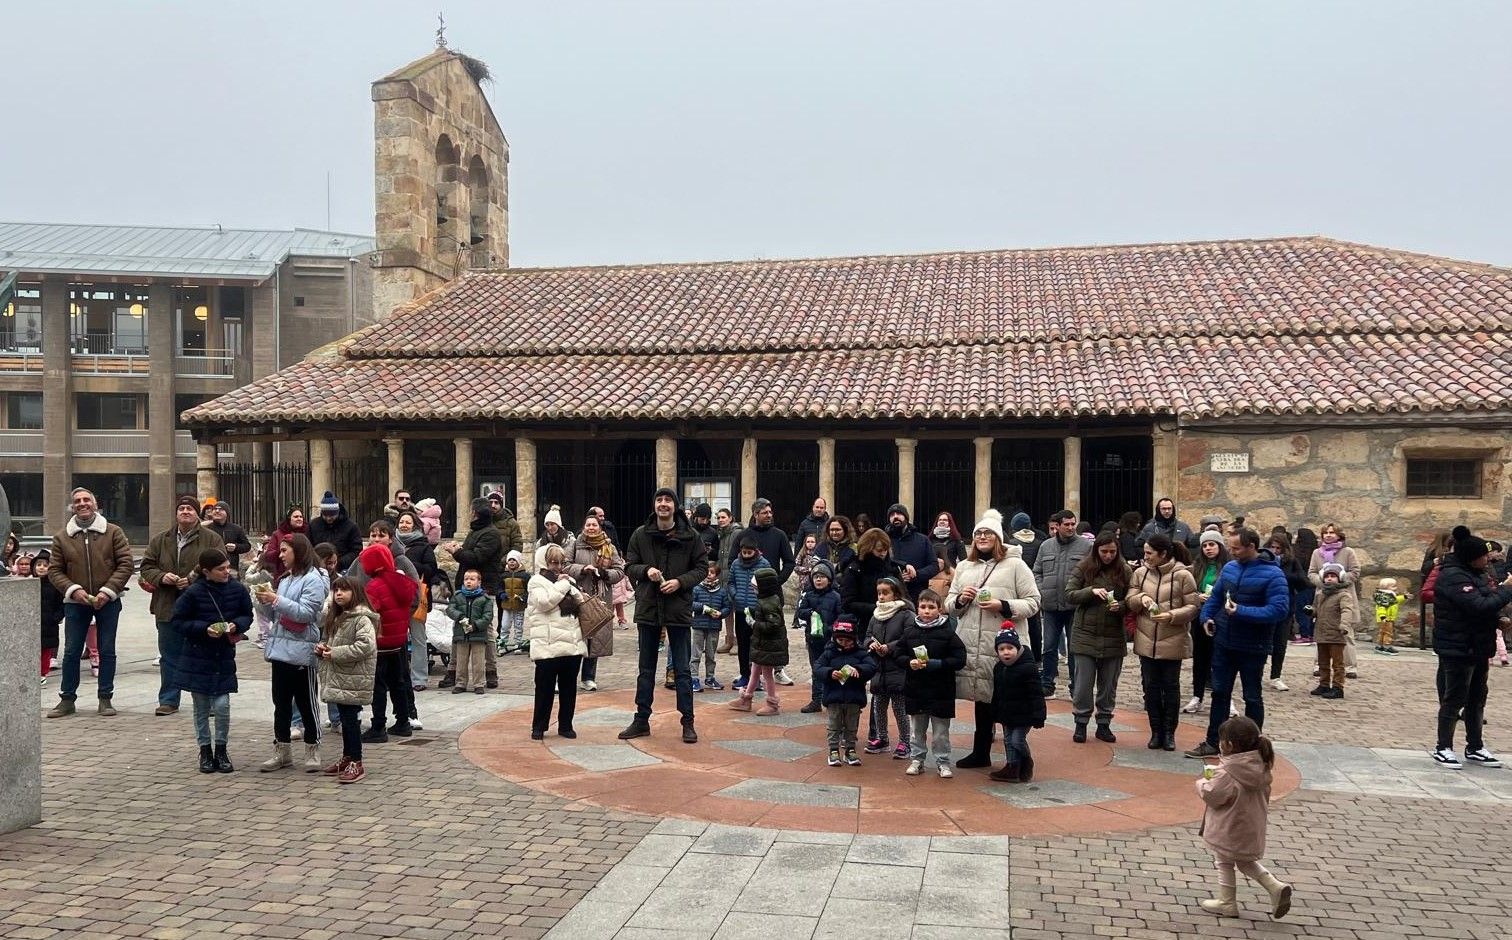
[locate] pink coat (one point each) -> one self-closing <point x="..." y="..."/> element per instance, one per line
<point x="430" y="522"/>
<point x="1238" y="804"/>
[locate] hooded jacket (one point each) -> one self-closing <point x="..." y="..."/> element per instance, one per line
<point x="931" y="690"/>
<point x="742" y="573"/>
<point x="1336" y="613"/>
<point x="430" y="521"/>
<point x="1053" y="565"/>
<point x="912" y="547"/>
<point x="391" y="594"/>
<point x="825" y="603"/>
<point x="471" y="617"/>
<point x="96" y="558"/>
<point x="679" y="554"/>
<point x="271" y="563"/>
<point x="483" y="550"/>
<point x="508" y="528"/>
<point x="1171" y="588"/>
<point x="341" y="532"/>
<point x="1259" y="588"/>
<point x="1008" y="581"/>
<point x="707" y="597"/>
<point x="1466" y="607"/>
<point x="347" y="677"/>
<point x="853" y="691"/>
<point x="552" y="632"/>
<point x="769" y="645"/>
<point x="207" y="664"/>
<point x="163" y="556"/>
<point x="1237" y="804"/>
<point x="1172" y="528"/>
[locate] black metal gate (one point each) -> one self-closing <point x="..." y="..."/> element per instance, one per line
<point x="709" y="472"/>
<point x="1028" y="476"/>
<point x="866" y="479"/>
<point x="361" y="483"/>
<point x="430" y="472"/>
<point x="787" y="473"/>
<point x="619" y="476"/>
<point x="945" y="481"/>
<point x="260" y="496"/>
<point x="1117" y="476"/>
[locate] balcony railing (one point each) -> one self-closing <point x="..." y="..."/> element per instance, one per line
<point x="16" y="360"/>
<point x="210" y="364"/>
<point x="100" y="364"/>
<point x="111" y="444"/>
<point x="20" y="443"/>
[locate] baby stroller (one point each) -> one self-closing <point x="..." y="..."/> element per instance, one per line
<point x="438" y="628"/>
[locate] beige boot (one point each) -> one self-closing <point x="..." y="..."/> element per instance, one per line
<point x="1280" y="894"/>
<point x="1223" y="905"/>
<point x="64" y="708"/>
<point x="283" y="756"/>
<point x="106" y="709"/>
<point x="312" y="759"/>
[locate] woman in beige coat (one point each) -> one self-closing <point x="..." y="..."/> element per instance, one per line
<point x="596" y="567"/>
<point x="990" y="586"/>
<point x="1163" y="598"/>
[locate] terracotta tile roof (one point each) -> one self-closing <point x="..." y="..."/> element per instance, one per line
<point x="1303" y="326"/>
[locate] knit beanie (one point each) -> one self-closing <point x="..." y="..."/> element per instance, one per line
<point x="480" y="507"/>
<point x="1332" y="568"/>
<point x="823" y="569"/>
<point x="666" y="491"/>
<point x="1468" y="548"/>
<point x="703" y="511"/>
<point x="1020" y="521"/>
<point x="187" y="500"/>
<point x="992" y="521"/>
<point x="554" y="514"/>
<point x="1211" y="535"/>
<point x="329" y="502"/>
<point x="1007" y="636"/>
<point x="900" y="508"/>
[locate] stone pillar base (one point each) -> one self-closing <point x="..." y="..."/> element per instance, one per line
<point x="20" y="720"/>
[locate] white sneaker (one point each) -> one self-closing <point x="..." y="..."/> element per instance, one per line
<point x="296" y="733"/>
<point x="945" y="772"/>
<point x="1193" y="706"/>
<point x="1482" y="757"/>
<point x="157" y="660"/>
<point x="590" y="686"/>
<point x="915" y="768"/>
<point x="1280" y="686"/>
<point x="415" y="723"/>
<point x="783" y="678"/>
<point x="1446" y="758"/>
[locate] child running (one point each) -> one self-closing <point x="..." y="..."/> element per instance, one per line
<point x="930" y="654"/>
<point x="1237" y="794"/>
<point x="846" y="668"/>
<point x="891" y="615"/>
<point x="348" y="651"/>
<point x="1018" y="704"/>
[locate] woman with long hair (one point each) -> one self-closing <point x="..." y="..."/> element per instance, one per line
<point x="1303" y="546"/>
<point x="1163" y="597"/>
<point x="946" y="540"/>
<point x="293" y="604"/>
<point x="1280" y="546"/>
<point x="838" y="546"/>
<point x="1098" y="587"/>
<point x="293" y="524"/>
<point x="1212" y="555"/>
<point x="858" y="582"/>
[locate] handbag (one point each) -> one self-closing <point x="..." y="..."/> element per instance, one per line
<point x="593" y="615"/>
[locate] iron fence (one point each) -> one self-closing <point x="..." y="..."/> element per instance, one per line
<point x="945" y="481"/>
<point x="617" y="476"/>
<point x="260" y="496"/>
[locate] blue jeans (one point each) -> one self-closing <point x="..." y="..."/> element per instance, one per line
<point x="1016" y="743"/>
<point x="1249" y="667"/>
<point x="1057" y="635"/>
<point x="170" y="648"/>
<point x="206" y="707"/>
<point x="680" y="642"/>
<point x="76" y="619"/>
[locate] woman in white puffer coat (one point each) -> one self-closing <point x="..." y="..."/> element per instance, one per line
<point x="556" y="642"/>
<point x="996" y="569"/>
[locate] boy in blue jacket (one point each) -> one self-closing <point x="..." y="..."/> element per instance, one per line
<point x="846" y="668"/>
<point x="818" y="609"/>
<point x="1248" y="599"/>
<point x="711" y="604"/>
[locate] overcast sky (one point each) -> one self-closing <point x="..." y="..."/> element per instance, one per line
<point x="649" y="131"/>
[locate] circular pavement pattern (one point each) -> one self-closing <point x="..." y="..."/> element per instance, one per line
<point x="772" y="773"/>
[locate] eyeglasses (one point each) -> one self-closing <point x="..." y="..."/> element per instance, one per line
<point x="980" y="532"/>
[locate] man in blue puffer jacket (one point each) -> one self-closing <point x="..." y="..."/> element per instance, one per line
<point x="1248" y="599"/>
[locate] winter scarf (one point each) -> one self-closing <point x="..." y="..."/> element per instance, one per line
<point x="927" y="624"/>
<point x="1330" y="549"/>
<point x="599" y="543"/>
<point x="470" y="593"/>
<point x="885" y="609"/>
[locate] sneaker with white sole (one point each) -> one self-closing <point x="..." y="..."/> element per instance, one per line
<point x="1279" y="686"/>
<point x="1482" y="757"/>
<point x="1445" y="757"/>
<point x="915" y="768"/>
<point x="590" y="686"/>
<point x="834" y="759"/>
<point x="783" y="678"/>
<point x="1193" y="706"/>
<point x="415" y="723"/>
<point x="945" y="772"/>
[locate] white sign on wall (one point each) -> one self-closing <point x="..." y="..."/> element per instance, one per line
<point x="1228" y="463"/>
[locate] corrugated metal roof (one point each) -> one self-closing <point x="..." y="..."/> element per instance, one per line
<point x="165" y="251"/>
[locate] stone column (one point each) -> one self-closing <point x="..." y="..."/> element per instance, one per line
<point x="206" y="460"/>
<point x="748" y="480"/>
<point x="320" y="473"/>
<point x="907" y="447"/>
<point x="983" y="474"/>
<point x="162" y="344"/>
<point x="57" y="404"/>
<point x="525" y="490"/>
<point x="464" y="447"/>
<point x="1167" y="465"/>
<point x="827" y="472"/>
<point x="395" y="465"/>
<point x="666" y="464"/>
<point x="1073" y="475"/>
<point x="21" y="726"/>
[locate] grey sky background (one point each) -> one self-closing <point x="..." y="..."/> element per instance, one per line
<point x="666" y="131"/>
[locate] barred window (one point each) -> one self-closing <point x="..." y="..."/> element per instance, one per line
<point x="1434" y="478"/>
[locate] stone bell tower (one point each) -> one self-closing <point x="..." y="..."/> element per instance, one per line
<point x="441" y="178"/>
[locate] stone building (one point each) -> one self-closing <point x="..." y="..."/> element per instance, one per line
<point x="108" y="332"/>
<point x="1295" y="380"/>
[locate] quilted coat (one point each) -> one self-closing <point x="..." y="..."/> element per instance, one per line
<point x="208" y="664"/>
<point x="347" y="677"/>
<point x="551" y="632"/>
<point x="1171" y="588"/>
<point x="591" y="579"/>
<point x="1010" y="582"/>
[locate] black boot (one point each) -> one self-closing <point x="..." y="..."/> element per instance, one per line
<point x="207" y="760"/>
<point x="1080" y="734"/>
<point x="981" y="740"/>
<point x="1168" y="740"/>
<point x="491" y="678"/>
<point x="1105" y="733"/>
<point x="222" y="761"/>
<point x="1026" y="770"/>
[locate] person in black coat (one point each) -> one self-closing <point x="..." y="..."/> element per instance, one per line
<point x="858" y="579"/>
<point x="335" y="526"/>
<point x="52" y="610"/>
<point x="774" y="544"/>
<point x="1280" y="546"/>
<point x="235" y="537"/>
<point x="664" y="559"/>
<point x="482" y="550"/>
<point x="912" y="550"/>
<point x="211" y="615"/>
<point x="929" y="681"/>
<point x="846" y="668"/>
<point x="1018" y="704"/>
<point x="1466" y="611"/>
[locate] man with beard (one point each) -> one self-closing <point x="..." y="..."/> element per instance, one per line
<point x="911" y="549"/>
<point x="1166" y="523"/>
<point x="703" y="514"/>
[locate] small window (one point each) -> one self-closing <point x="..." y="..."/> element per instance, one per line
<point x="23" y="411"/>
<point x="299" y="301"/>
<point x="107" y="411"/>
<point x="1459" y="478"/>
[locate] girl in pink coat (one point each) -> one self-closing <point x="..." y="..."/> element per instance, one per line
<point x="1237" y="794"/>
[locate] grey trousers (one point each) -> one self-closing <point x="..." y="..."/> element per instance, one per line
<point x="1104" y="674"/>
<point x="939" y="738"/>
<point x="419" y="660"/>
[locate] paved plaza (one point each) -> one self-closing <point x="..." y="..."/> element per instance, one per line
<point x="453" y="835"/>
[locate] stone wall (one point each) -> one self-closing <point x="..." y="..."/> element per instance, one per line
<point x="20" y="719"/>
<point x="1352" y="477"/>
<point x="441" y="180"/>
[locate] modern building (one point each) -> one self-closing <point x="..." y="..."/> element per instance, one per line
<point x="109" y="332"/>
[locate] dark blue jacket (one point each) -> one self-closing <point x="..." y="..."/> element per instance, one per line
<point x="742" y="591"/>
<point x="208" y="664"/>
<point x="715" y="597"/>
<point x="774" y="545"/>
<point x="1466" y="607"/>
<point x="826" y="604"/>
<point x="914" y="548"/>
<point x="1260" y="590"/>
<point x="845" y="693"/>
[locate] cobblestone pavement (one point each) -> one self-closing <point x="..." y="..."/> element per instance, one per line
<point x="1379" y="842"/>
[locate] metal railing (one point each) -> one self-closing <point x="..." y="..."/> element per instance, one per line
<point x="212" y="364"/>
<point x="21" y="443"/>
<point x="111" y="444"/>
<point x="102" y="364"/>
<point x="17" y="360"/>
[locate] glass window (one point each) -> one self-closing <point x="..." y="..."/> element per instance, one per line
<point x="24" y="490"/>
<point x="23" y="411"/>
<point x="108" y="321"/>
<point x="1445" y="479"/>
<point x="105" y="411"/>
<point x="191" y="307"/>
<point x="122" y="498"/>
<point x="21" y="322"/>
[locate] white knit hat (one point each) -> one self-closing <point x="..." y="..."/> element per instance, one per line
<point x="554" y="514"/>
<point x="992" y="521"/>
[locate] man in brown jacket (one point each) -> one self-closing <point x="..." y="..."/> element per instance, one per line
<point x="91" y="562"/>
<point x="170" y="562"/>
